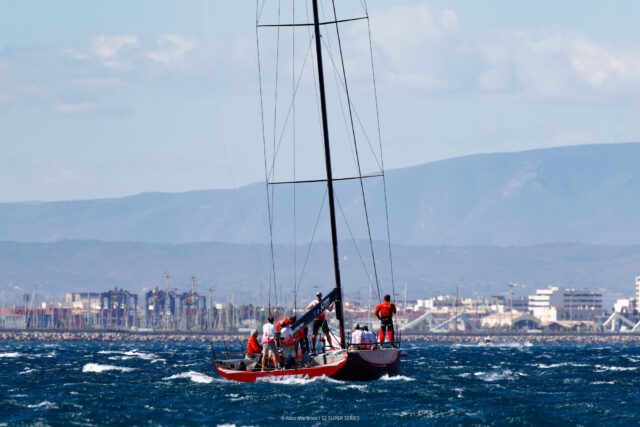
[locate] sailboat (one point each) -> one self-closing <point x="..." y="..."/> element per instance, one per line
<point x="345" y="362"/>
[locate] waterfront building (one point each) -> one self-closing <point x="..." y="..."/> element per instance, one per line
<point x="84" y="300"/>
<point x="561" y="304"/>
<point x="510" y="320"/>
<point x="638" y="287"/>
<point x="625" y="306"/>
<point x="503" y="304"/>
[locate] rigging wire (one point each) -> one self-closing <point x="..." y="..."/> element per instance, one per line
<point x="289" y="111"/>
<point x="355" y="144"/>
<point x="313" y="235"/>
<point x="353" y="239"/>
<point x="339" y="82"/>
<point x="275" y="123"/>
<point x="293" y="121"/>
<point x="384" y="180"/>
<point x="353" y="107"/>
<point x="270" y="172"/>
<point x="272" y="267"/>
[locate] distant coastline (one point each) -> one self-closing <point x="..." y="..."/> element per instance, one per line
<point x="12" y="335"/>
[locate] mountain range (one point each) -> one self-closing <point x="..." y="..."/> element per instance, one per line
<point x="564" y="216"/>
<point x="584" y="194"/>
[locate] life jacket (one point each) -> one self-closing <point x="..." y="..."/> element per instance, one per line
<point x="287" y="336"/>
<point x="268" y="333"/>
<point x="385" y="309"/>
<point x="252" y="346"/>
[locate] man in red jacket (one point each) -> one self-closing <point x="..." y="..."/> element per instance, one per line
<point x="254" y="349"/>
<point x="385" y="311"/>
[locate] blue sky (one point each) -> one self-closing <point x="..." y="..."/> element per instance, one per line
<point x="106" y="99"/>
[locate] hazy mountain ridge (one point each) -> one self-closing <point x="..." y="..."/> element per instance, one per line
<point x="242" y="269"/>
<point x="588" y="194"/>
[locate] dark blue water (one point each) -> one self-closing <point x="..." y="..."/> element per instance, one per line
<point x="90" y="383"/>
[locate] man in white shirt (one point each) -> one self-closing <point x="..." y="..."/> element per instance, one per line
<point x="368" y="338"/>
<point x="288" y="345"/>
<point x="356" y="337"/>
<point x="269" y="335"/>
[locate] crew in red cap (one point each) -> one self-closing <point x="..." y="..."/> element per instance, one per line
<point x="385" y="311"/>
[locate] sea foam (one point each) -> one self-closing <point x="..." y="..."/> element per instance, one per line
<point x="13" y="354"/>
<point x="194" y="376"/>
<point x="386" y="377"/>
<point x="97" y="368"/>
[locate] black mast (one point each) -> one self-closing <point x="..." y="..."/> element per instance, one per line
<point x="327" y="156"/>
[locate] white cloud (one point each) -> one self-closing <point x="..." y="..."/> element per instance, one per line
<point x="561" y="64"/>
<point x="419" y="43"/>
<point x="73" y="80"/>
<point x="108" y="49"/>
<point x="426" y="48"/>
<point x="171" y="49"/>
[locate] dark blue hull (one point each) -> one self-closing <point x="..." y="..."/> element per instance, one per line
<point x="369" y="365"/>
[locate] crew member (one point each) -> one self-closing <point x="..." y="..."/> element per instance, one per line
<point x="384" y="312"/>
<point x="303" y="339"/>
<point x="254" y="349"/>
<point x="285" y="321"/>
<point x="319" y="322"/>
<point x="288" y="346"/>
<point x="269" y="335"/>
<point x="368" y="338"/>
<point x="356" y="337"/>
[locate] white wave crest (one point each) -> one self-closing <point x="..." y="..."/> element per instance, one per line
<point x="140" y="355"/>
<point x="27" y="371"/>
<point x="386" y="377"/>
<point x="293" y="380"/>
<point x="507" y="374"/>
<point x="125" y="355"/>
<point x="97" y="368"/>
<point x="194" y="376"/>
<point x="603" y="368"/>
<point x="45" y="404"/>
<point x="513" y="344"/>
<point x="13" y="354"/>
<point x="559" y="365"/>
<point x="355" y="386"/>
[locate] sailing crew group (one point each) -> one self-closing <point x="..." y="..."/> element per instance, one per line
<point x="280" y="335"/>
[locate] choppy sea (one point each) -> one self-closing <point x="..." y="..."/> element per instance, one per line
<point x="164" y="383"/>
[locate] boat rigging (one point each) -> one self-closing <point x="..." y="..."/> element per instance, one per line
<point x="348" y="363"/>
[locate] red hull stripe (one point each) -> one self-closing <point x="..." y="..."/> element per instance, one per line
<point x="271" y="376"/>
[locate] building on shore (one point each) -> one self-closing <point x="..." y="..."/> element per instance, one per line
<point x="556" y="303"/>
<point x="626" y="306"/>
<point x="510" y="320"/>
<point x="84" y="300"/>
